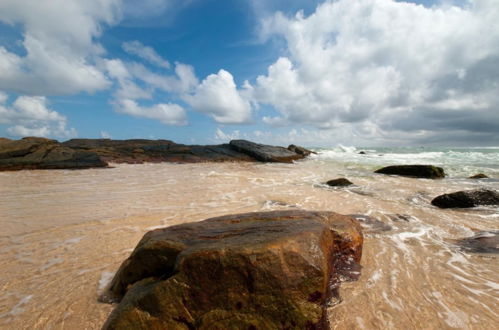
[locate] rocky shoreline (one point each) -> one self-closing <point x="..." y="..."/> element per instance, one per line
<point x="42" y="153"/>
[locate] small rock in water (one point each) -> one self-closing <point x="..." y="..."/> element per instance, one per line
<point x="340" y="182"/>
<point x="478" y="176"/>
<point x="414" y="171"/>
<point x="481" y="242"/>
<point x="263" y="270"/>
<point x="467" y="198"/>
<point x="370" y="224"/>
<point x="362" y="153"/>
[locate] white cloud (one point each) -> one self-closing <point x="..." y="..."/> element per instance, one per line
<point x="218" y="96"/>
<point x="225" y="137"/>
<point x="29" y="115"/>
<point x="147" y="53"/>
<point x="382" y="62"/>
<point x="59" y="44"/>
<point x="166" y="113"/>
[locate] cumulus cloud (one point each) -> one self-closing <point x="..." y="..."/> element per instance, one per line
<point x="393" y="65"/>
<point x="29" y="115"/>
<point x="218" y="96"/>
<point x="59" y="44"/>
<point x="166" y="113"/>
<point x="147" y="53"/>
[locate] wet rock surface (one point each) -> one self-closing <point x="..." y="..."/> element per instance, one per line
<point x="265" y="153"/>
<point x="340" y="182"/>
<point x="481" y="242"/>
<point x="41" y="153"/>
<point x="264" y="270"/>
<point x="467" y="198"/>
<point x="414" y="171"/>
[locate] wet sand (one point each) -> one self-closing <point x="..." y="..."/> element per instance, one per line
<point x="64" y="233"/>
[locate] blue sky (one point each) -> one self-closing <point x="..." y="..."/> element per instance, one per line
<point x="317" y="73"/>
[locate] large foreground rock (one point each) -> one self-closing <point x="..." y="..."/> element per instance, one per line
<point x="265" y="153"/>
<point x="267" y="270"/>
<point x="467" y="198"/>
<point x="41" y="153"/>
<point x="415" y="171"/>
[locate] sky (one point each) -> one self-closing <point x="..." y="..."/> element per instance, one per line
<point x="315" y="73"/>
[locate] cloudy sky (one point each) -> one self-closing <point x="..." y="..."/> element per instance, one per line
<point x="318" y="73"/>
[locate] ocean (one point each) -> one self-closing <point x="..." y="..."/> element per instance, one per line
<point x="65" y="233"/>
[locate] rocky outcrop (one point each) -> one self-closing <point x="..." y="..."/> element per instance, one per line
<point x="415" y="171"/>
<point x="481" y="242"/>
<point x="340" y="182"/>
<point x="266" y="270"/>
<point x="41" y="153"/>
<point x="300" y="150"/>
<point x="467" y="198"/>
<point x="265" y="153"/>
<point x="32" y="153"/>
<point x="478" y="176"/>
<point x="143" y="151"/>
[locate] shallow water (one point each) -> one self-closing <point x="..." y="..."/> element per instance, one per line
<point x="64" y="234"/>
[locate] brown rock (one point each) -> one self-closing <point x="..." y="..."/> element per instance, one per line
<point x="266" y="270"/>
<point x="340" y="182"/>
<point x="478" y="176"/>
<point x="41" y="153"/>
<point x="467" y="198"/>
<point x="414" y="171"/>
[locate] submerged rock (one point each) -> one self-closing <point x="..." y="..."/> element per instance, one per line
<point x="265" y="153"/>
<point x="265" y="270"/>
<point x="415" y="171"/>
<point x="41" y="153"/>
<point x="370" y="224"/>
<point x="300" y="150"/>
<point x="467" y="198"/>
<point x="478" y="176"/>
<point x="340" y="182"/>
<point x="481" y="242"/>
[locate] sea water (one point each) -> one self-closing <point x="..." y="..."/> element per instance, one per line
<point x="65" y="233"/>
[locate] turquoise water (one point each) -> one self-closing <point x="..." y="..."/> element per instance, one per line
<point x="458" y="163"/>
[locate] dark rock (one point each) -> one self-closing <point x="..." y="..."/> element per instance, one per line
<point x="128" y="151"/>
<point x="415" y="171"/>
<point x="340" y="182"/>
<point x="362" y="153"/>
<point x="265" y="270"/>
<point x="478" y="176"/>
<point x="41" y="153"/>
<point x="467" y="198"/>
<point x="300" y="150"/>
<point x="264" y="152"/>
<point x="481" y="242"/>
<point x="370" y="224"/>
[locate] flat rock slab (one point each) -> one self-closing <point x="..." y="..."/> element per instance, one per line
<point x="265" y="270"/>
<point x="414" y="171"/>
<point x="467" y="198"/>
<point x="265" y="153"/>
